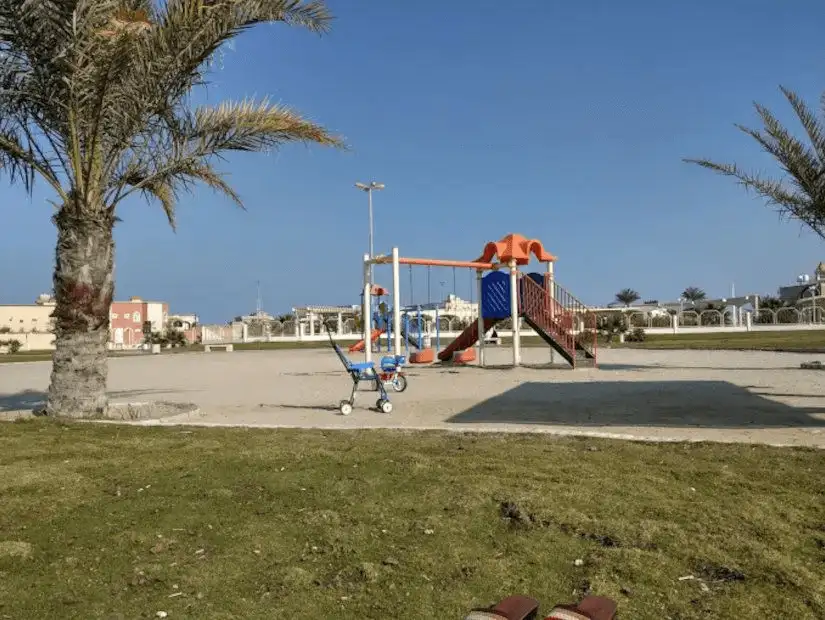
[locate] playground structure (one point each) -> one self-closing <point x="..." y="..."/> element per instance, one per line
<point x="559" y="318"/>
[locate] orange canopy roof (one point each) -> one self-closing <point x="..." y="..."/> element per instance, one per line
<point x="515" y="247"/>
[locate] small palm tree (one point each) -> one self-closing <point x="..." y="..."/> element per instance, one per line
<point x="800" y="194"/>
<point x="694" y="294"/>
<point x="95" y="102"/>
<point x="627" y="296"/>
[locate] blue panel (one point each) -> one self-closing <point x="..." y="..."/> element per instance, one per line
<point x="538" y="278"/>
<point x="495" y="295"/>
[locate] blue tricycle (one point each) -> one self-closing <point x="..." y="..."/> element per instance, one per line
<point x="388" y="375"/>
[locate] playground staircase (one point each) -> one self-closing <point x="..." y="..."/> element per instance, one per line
<point x="551" y="311"/>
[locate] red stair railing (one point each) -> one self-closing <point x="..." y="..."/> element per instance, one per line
<point x="547" y="313"/>
<point x="556" y="314"/>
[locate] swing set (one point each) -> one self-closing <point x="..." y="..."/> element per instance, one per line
<point x="418" y="328"/>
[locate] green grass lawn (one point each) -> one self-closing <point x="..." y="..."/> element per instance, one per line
<point x="104" y="521"/>
<point x="806" y="341"/>
<point x="812" y="341"/>
<point x="41" y="356"/>
<point x="25" y="356"/>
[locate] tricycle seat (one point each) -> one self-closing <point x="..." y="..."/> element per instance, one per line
<point x="361" y="366"/>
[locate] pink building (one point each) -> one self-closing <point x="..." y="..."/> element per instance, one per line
<point x="127" y="319"/>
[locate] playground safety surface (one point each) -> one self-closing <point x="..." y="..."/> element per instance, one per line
<point x="729" y="396"/>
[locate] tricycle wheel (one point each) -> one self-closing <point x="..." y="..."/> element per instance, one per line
<point x="399" y="384"/>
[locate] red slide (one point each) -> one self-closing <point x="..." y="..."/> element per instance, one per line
<point x="465" y="340"/>
<point x="359" y="346"/>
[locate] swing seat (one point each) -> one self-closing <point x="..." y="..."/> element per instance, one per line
<point x="425" y="356"/>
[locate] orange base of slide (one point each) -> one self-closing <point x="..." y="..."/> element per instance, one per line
<point x="424" y="356"/>
<point x="464" y="357"/>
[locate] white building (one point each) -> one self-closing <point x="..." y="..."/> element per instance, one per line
<point x="453" y="306"/>
<point x="183" y="322"/>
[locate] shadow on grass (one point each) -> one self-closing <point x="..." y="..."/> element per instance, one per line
<point x="708" y="404"/>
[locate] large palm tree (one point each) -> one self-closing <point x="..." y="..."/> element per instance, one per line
<point x="94" y="101"/>
<point x="627" y="296"/>
<point x="800" y="194"/>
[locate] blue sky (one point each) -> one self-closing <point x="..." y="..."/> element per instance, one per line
<point x="564" y="121"/>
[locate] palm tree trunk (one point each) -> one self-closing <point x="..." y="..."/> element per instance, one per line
<point x="83" y="288"/>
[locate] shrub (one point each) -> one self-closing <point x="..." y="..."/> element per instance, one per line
<point x="12" y="345"/>
<point x="636" y="335"/>
<point x="587" y="337"/>
<point x="172" y="337"/>
<point x="5" y="330"/>
<point x="610" y="325"/>
<point x="176" y="338"/>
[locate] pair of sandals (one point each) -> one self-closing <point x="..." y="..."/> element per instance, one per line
<point x="525" y="608"/>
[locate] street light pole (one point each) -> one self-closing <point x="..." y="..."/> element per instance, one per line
<point x="372" y="233"/>
<point x="369" y="188"/>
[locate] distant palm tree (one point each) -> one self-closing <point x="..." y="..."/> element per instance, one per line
<point x="95" y="101"/>
<point x="627" y="296"/>
<point x="800" y="195"/>
<point x="694" y="294"/>
<point x="769" y="302"/>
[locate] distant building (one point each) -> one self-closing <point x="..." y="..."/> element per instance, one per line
<point x="34" y="325"/>
<point x="257" y="316"/>
<point x="28" y="318"/>
<point x="801" y="291"/>
<point x="183" y="322"/>
<point x="126" y="320"/>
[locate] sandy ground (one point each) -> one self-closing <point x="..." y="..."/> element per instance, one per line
<point x="662" y="395"/>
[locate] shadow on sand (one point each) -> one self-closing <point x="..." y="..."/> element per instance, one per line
<point x="33" y="399"/>
<point x="710" y="404"/>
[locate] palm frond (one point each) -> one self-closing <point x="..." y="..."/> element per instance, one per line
<point x="795" y="157"/>
<point x="22" y="161"/>
<point x="800" y="193"/>
<point x="789" y="203"/>
<point x="177" y="175"/>
<point x="250" y="126"/>
<point x="813" y="126"/>
<point x="211" y="132"/>
<point x="164" y="193"/>
<point x="94" y="94"/>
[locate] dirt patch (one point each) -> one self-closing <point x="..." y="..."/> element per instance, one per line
<point x="15" y="549"/>
<point x="120" y="412"/>
<point x="11" y="416"/>
<point x="148" y="411"/>
<point x="720" y="574"/>
<point x="517" y="517"/>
